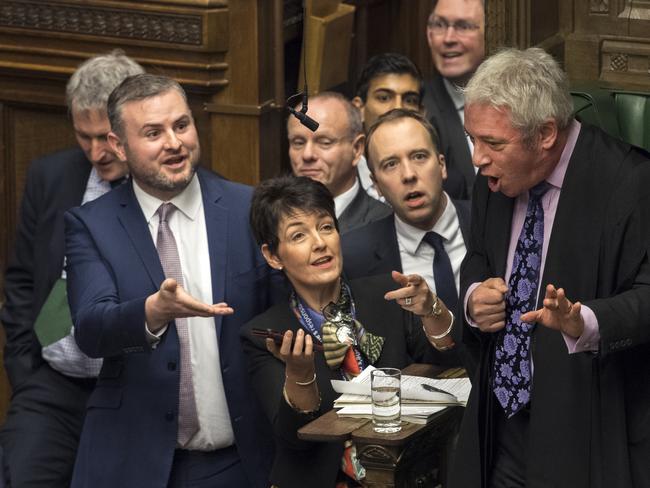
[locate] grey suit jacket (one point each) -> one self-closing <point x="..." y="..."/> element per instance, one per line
<point x="361" y="211"/>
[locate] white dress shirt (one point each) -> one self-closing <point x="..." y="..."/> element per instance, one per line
<point x="417" y="256"/>
<point x="366" y="180"/>
<point x="342" y="201"/>
<point x="187" y="224"/>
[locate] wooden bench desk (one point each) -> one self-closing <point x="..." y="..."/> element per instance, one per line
<point x="417" y="456"/>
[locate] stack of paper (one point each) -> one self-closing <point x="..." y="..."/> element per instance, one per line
<point x="421" y="397"/>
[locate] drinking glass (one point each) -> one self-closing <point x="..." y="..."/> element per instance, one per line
<point x="386" y="408"/>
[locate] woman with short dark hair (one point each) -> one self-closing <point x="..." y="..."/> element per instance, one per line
<point x="364" y="322"/>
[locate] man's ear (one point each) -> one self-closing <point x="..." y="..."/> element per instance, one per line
<point x="272" y="259"/>
<point x="116" y="145"/>
<point x="443" y="164"/>
<point x="374" y="180"/>
<point x="358" y="145"/>
<point x="548" y="134"/>
<point x="357" y="102"/>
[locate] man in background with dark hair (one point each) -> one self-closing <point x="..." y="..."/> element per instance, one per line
<point x="456" y="37"/>
<point x="390" y="81"/>
<point x="50" y="378"/>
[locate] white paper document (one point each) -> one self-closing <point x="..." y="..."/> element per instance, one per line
<point x="415" y="389"/>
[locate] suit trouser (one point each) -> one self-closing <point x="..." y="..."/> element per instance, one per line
<point x="510" y="449"/>
<point x="41" y="433"/>
<point x="213" y="469"/>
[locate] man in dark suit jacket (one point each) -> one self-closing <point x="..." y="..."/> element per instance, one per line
<point x="558" y="403"/>
<point x="408" y="170"/>
<point x="50" y="389"/>
<point x="456" y="37"/>
<point x="141" y="429"/>
<point x="330" y="155"/>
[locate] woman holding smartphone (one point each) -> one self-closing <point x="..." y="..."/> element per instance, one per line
<point x="382" y="321"/>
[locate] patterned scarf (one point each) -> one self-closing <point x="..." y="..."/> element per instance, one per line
<point x="342" y="336"/>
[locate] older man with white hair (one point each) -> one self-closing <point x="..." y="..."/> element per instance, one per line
<point x="51" y="379"/>
<point x="556" y="289"/>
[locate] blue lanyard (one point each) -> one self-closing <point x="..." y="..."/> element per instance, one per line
<point x="312" y="321"/>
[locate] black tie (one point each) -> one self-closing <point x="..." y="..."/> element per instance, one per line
<point x="443" y="275"/>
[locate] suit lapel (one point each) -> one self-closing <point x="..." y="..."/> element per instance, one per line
<point x="497" y="230"/>
<point x="455" y="132"/>
<point x="574" y="242"/>
<point x="216" y="223"/>
<point x="133" y="221"/>
<point x="463" y="212"/>
<point x="356" y="211"/>
<point x="386" y="248"/>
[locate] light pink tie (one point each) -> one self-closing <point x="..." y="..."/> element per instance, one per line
<point x="188" y="421"/>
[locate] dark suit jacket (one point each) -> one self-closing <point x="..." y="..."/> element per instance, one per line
<point x="301" y="463"/>
<point x="362" y="210"/>
<point x="590" y="413"/>
<point x="443" y="115"/>
<point x="373" y="250"/>
<point x="129" y="435"/>
<point x="54" y="184"/>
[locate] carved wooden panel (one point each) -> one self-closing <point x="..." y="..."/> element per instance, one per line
<point x="105" y="22"/>
<point x="611" y="43"/>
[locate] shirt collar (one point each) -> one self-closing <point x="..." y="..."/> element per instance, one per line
<point x="344" y="199"/>
<point x="410" y="237"/>
<point x="188" y="201"/>
<point x="556" y="178"/>
<point x="455" y="93"/>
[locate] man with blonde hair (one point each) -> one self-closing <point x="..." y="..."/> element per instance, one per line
<point x="556" y="289"/>
<point x="50" y="378"/>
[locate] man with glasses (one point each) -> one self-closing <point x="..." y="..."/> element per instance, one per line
<point x="331" y="154"/>
<point x="456" y="37"/>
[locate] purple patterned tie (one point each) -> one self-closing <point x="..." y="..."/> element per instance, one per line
<point x="512" y="374"/>
<point x="188" y="421"/>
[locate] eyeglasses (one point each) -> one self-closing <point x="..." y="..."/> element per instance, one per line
<point x="461" y="27"/>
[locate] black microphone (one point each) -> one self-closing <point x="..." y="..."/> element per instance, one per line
<point x="304" y="119"/>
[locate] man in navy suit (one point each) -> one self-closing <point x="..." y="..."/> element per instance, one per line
<point x="51" y="381"/>
<point x="408" y="170"/>
<point x="153" y="325"/>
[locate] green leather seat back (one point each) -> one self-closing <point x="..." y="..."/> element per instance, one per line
<point x="625" y="115"/>
<point x="596" y="106"/>
<point x="633" y="111"/>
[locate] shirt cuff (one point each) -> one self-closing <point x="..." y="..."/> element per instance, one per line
<point x="590" y="339"/>
<point x="470" y="290"/>
<point x="154" y="338"/>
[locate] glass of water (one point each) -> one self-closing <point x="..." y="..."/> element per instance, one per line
<point x="385" y="388"/>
